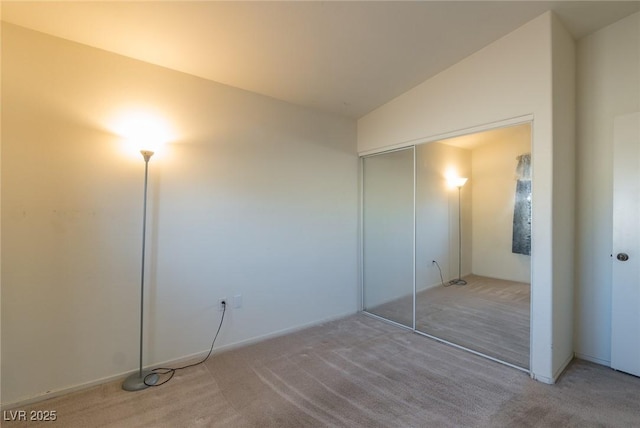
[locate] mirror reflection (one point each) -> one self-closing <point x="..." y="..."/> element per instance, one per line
<point x="447" y="240"/>
<point x="473" y="242"/>
<point x="388" y="183"/>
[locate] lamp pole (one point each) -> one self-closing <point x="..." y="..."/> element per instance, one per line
<point x="143" y="378"/>
<point x="459" y="280"/>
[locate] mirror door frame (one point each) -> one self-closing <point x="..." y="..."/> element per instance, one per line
<point x="527" y="119"/>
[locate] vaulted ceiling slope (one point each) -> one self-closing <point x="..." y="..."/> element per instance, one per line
<point x="345" y="58"/>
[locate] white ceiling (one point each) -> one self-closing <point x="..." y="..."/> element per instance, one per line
<point x="342" y="57"/>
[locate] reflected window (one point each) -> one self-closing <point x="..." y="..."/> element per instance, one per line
<point x="521" y="242"/>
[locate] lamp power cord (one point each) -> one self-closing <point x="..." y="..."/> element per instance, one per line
<point x="440" y="270"/>
<point x="171" y="371"/>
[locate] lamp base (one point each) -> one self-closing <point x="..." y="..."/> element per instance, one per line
<point x="458" y="282"/>
<point x="135" y="382"/>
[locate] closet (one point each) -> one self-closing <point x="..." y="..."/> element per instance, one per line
<point x="449" y="258"/>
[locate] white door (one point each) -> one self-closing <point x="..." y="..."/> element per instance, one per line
<point x="625" y="298"/>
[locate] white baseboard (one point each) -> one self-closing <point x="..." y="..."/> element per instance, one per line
<point x="279" y="333"/>
<point x="173" y="362"/>
<point x="591" y="359"/>
<point x="428" y="287"/>
<point x="543" y="379"/>
<point x="556" y="375"/>
<point x="563" y="367"/>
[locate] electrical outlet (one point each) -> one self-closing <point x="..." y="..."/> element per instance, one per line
<point x="237" y="301"/>
<point x="222" y="303"/>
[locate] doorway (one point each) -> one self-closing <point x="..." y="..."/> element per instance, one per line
<point x="625" y="292"/>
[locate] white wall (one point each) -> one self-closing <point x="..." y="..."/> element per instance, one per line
<point x="608" y="83"/>
<point x="255" y="196"/>
<point x="564" y="192"/>
<point x="512" y="77"/>
<point x="494" y="184"/>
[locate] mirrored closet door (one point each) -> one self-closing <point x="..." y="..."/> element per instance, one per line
<point x="471" y="220"/>
<point x="387" y="241"/>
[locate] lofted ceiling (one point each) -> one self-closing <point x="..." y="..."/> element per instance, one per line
<point x="345" y="58"/>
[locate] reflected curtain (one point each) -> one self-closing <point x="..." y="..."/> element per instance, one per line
<point x="521" y="242"/>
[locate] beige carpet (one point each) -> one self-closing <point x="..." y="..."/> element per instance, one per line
<point x="488" y="315"/>
<point x="357" y="372"/>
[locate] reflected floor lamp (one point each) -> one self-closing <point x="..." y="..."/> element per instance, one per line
<point x="142" y="379"/>
<point x="459" y="182"/>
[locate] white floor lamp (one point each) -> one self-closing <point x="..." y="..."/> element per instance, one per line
<point x="142" y="378"/>
<point x="459" y="182"/>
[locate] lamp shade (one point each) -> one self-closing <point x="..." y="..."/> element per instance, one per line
<point x="457" y="181"/>
<point x="141" y="131"/>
